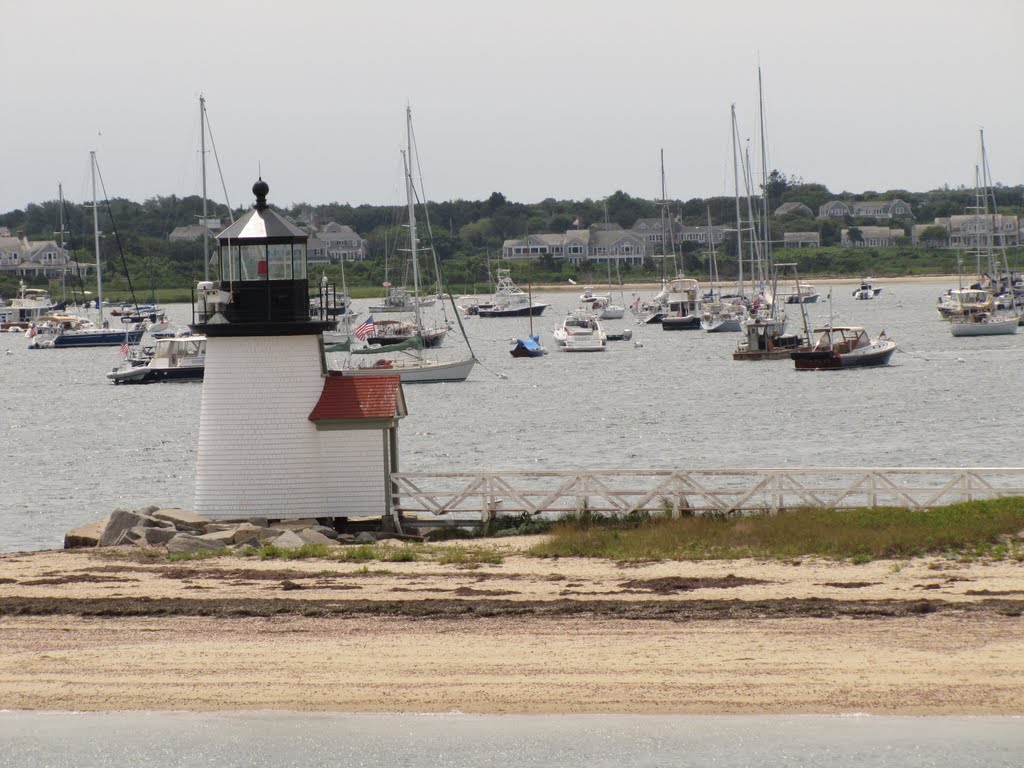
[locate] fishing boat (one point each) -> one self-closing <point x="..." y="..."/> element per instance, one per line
<point x="866" y="290"/>
<point x="764" y="333"/>
<point x="407" y="359"/>
<point x="580" y="331"/>
<point x="683" y="307"/>
<point x="509" y="300"/>
<point x="181" y="358"/>
<point x="844" y="347"/>
<point x="26" y="308"/>
<point x="805" y="294"/>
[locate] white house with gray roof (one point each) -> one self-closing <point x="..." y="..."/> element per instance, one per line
<point x="579" y="245"/>
<point x="864" y="209"/>
<point x="21" y="256"/>
<point x="342" y="243"/>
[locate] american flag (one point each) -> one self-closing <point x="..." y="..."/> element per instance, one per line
<point x="365" y="329"/>
<point x="124" y="348"/>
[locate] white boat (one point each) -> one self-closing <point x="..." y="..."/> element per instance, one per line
<point x="407" y="359"/>
<point x="606" y="310"/>
<point x="26" y="308"/>
<point x="984" y="324"/>
<point x="866" y="290"/>
<point x="509" y="300"/>
<point x="805" y="294"/>
<point x="683" y="307"/>
<point x="181" y="358"/>
<point x="581" y="331"/>
<point x="723" y="317"/>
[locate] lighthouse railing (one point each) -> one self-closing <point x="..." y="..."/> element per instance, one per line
<point x="695" y="491"/>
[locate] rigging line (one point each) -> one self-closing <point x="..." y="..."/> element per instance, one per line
<point x="74" y="255"/>
<point x="117" y="239"/>
<point x="216" y="159"/>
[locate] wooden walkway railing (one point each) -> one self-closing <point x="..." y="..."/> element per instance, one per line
<point x="695" y="491"/>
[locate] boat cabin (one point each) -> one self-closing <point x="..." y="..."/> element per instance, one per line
<point x="841" y="339"/>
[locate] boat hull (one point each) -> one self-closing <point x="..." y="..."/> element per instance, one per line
<point x="535" y="310"/>
<point x="415" y="372"/>
<point x="823" y="360"/>
<point x="102" y="338"/>
<point x="145" y="375"/>
<point x="685" y="323"/>
<point x="994" y="328"/>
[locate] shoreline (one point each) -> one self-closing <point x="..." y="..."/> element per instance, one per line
<point x="91" y="631"/>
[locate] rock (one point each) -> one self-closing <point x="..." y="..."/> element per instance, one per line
<point x="148" y="511"/>
<point x="246" y="532"/>
<point x="259" y="522"/>
<point x="132" y="536"/>
<point x="224" y="538"/>
<point x="309" y="536"/>
<point x="330" y="533"/>
<point x="87" y="535"/>
<point x="182" y="518"/>
<point x="365" y="537"/>
<point x="346" y="538"/>
<point x="120" y="521"/>
<point x="289" y="540"/>
<point x="295" y="525"/>
<point x="157" y="536"/>
<point x="188" y="544"/>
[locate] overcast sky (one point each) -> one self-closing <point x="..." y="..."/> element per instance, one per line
<point x="531" y="98"/>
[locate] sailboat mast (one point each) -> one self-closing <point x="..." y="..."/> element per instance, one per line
<point x="96" y="234"/>
<point x="202" y="159"/>
<point x="767" y="251"/>
<point x="410" y="196"/>
<point x="60" y="235"/>
<point x="736" y="188"/>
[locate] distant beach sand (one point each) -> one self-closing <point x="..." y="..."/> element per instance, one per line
<point x="85" y="630"/>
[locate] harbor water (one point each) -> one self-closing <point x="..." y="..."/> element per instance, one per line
<point x="282" y="740"/>
<point x="75" y="447"/>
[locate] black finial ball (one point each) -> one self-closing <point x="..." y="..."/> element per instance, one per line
<point x="260" y="189"/>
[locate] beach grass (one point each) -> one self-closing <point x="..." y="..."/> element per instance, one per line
<point x="969" y="530"/>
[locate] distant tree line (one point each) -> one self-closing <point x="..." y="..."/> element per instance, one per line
<point x="467" y="235"/>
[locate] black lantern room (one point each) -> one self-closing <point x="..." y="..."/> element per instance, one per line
<point x="262" y="288"/>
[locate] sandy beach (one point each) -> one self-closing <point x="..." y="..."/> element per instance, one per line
<point x="116" y="630"/>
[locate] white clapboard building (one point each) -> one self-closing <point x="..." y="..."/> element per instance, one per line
<point x="279" y="436"/>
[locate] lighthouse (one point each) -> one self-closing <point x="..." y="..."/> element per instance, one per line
<point x="272" y="437"/>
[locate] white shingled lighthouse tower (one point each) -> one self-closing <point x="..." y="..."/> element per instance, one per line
<point x="275" y="427"/>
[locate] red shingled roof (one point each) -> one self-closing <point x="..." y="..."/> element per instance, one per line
<point x="360" y="397"/>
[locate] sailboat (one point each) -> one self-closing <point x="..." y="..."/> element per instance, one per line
<point x="530" y="346"/>
<point x="410" y="364"/>
<point x="63" y="331"/>
<point x="979" y="313"/>
<point x="720" y="316"/>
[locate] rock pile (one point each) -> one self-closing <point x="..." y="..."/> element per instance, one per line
<point x="180" y="531"/>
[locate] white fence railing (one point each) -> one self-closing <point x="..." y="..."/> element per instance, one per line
<point x="700" y="491"/>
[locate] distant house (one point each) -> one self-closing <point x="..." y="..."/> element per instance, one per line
<point x="864" y="209"/>
<point x="21" y="256"/>
<point x="579" y="245"/>
<point x="316" y="251"/>
<point x="702" y="235"/>
<point x="794" y="209"/>
<point x="976" y="231"/>
<point x="834" y="209"/>
<point x="193" y="232"/>
<point x="871" y="237"/>
<point x="342" y="243"/>
<point x="801" y="239"/>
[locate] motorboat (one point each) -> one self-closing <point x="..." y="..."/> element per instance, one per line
<point x="179" y="358"/>
<point x="63" y="331"/>
<point x="509" y="300"/>
<point x="26" y="308"/>
<point x="805" y="294"/>
<point x="844" y="347"/>
<point x="866" y="290"/>
<point x="581" y="331"/>
<point x="683" y="306"/>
